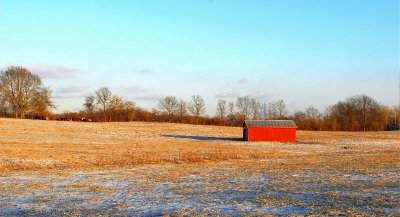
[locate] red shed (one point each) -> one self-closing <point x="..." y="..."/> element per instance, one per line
<point x="270" y="130"/>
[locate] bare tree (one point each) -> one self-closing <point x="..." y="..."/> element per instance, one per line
<point x="41" y="103"/>
<point x="20" y="87"/>
<point x="103" y="99"/>
<point x="89" y="104"/>
<point x="232" y="119"/>
<point x="4" y="106"/>
<point x="243" y="106"/>
<point x="281" y="109"/>
<point x="277" y="110"/>
<point x="342" y="115"/>
<point x="197" y="107"/>
<point x="168" y="105"/>
<point x="231" y="108"/>
<point x="312" y="115"/>
<point x="255" y="107"/>
<point x="221" y="109"/>
<point x="182" y="109"/>
<point x="264" y="110"/>
<point x="272" y="111"/>
<point x="116" y="107"/>
<point x="368" y="110"/>
<point x="130" y="109"/>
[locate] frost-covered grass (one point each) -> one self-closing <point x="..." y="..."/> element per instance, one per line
<point x="147" y="169"/>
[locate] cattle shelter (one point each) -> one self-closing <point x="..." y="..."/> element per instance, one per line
<point x="270" y="130"/>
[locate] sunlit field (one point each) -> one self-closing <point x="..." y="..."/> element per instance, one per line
<point x="147" y="169"/>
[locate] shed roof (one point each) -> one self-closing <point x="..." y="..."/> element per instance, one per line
<point x="270" y="123"/>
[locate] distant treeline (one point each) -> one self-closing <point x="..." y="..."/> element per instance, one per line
<point x="23" y="95"/>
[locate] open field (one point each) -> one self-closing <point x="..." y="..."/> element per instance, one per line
<point x="147" y="169"/>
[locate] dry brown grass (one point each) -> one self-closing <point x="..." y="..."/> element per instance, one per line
<point x="329" y="173"/>
<point x="39" y="145"/>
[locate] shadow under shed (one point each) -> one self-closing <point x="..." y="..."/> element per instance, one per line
<point x="204" y="138"/>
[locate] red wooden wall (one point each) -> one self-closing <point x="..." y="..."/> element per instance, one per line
<point x="279" y="134"/>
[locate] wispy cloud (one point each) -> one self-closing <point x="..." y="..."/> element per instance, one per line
<point x="132" y="89"/>
<point x="53" y="71"/>
<point x="146" y="71"/>
<point x="138" y="93"/>
<point x="243" y="81"/>
<point x="72" y="91"/>
<point x="227" y="95"/>
<point x="148" y="97"/>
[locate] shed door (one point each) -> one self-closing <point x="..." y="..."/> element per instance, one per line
<point x="245" y="135"/>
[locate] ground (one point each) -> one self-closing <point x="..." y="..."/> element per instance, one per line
<point x="54" y="168"/>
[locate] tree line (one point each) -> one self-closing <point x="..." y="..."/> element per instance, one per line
<point x="356" y="113"/>
<point x="22" y="95"/>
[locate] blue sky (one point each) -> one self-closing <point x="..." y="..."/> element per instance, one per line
<point x="307" y="52"/>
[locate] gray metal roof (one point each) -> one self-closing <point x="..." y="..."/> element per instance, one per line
<point x="270" y="123"/>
